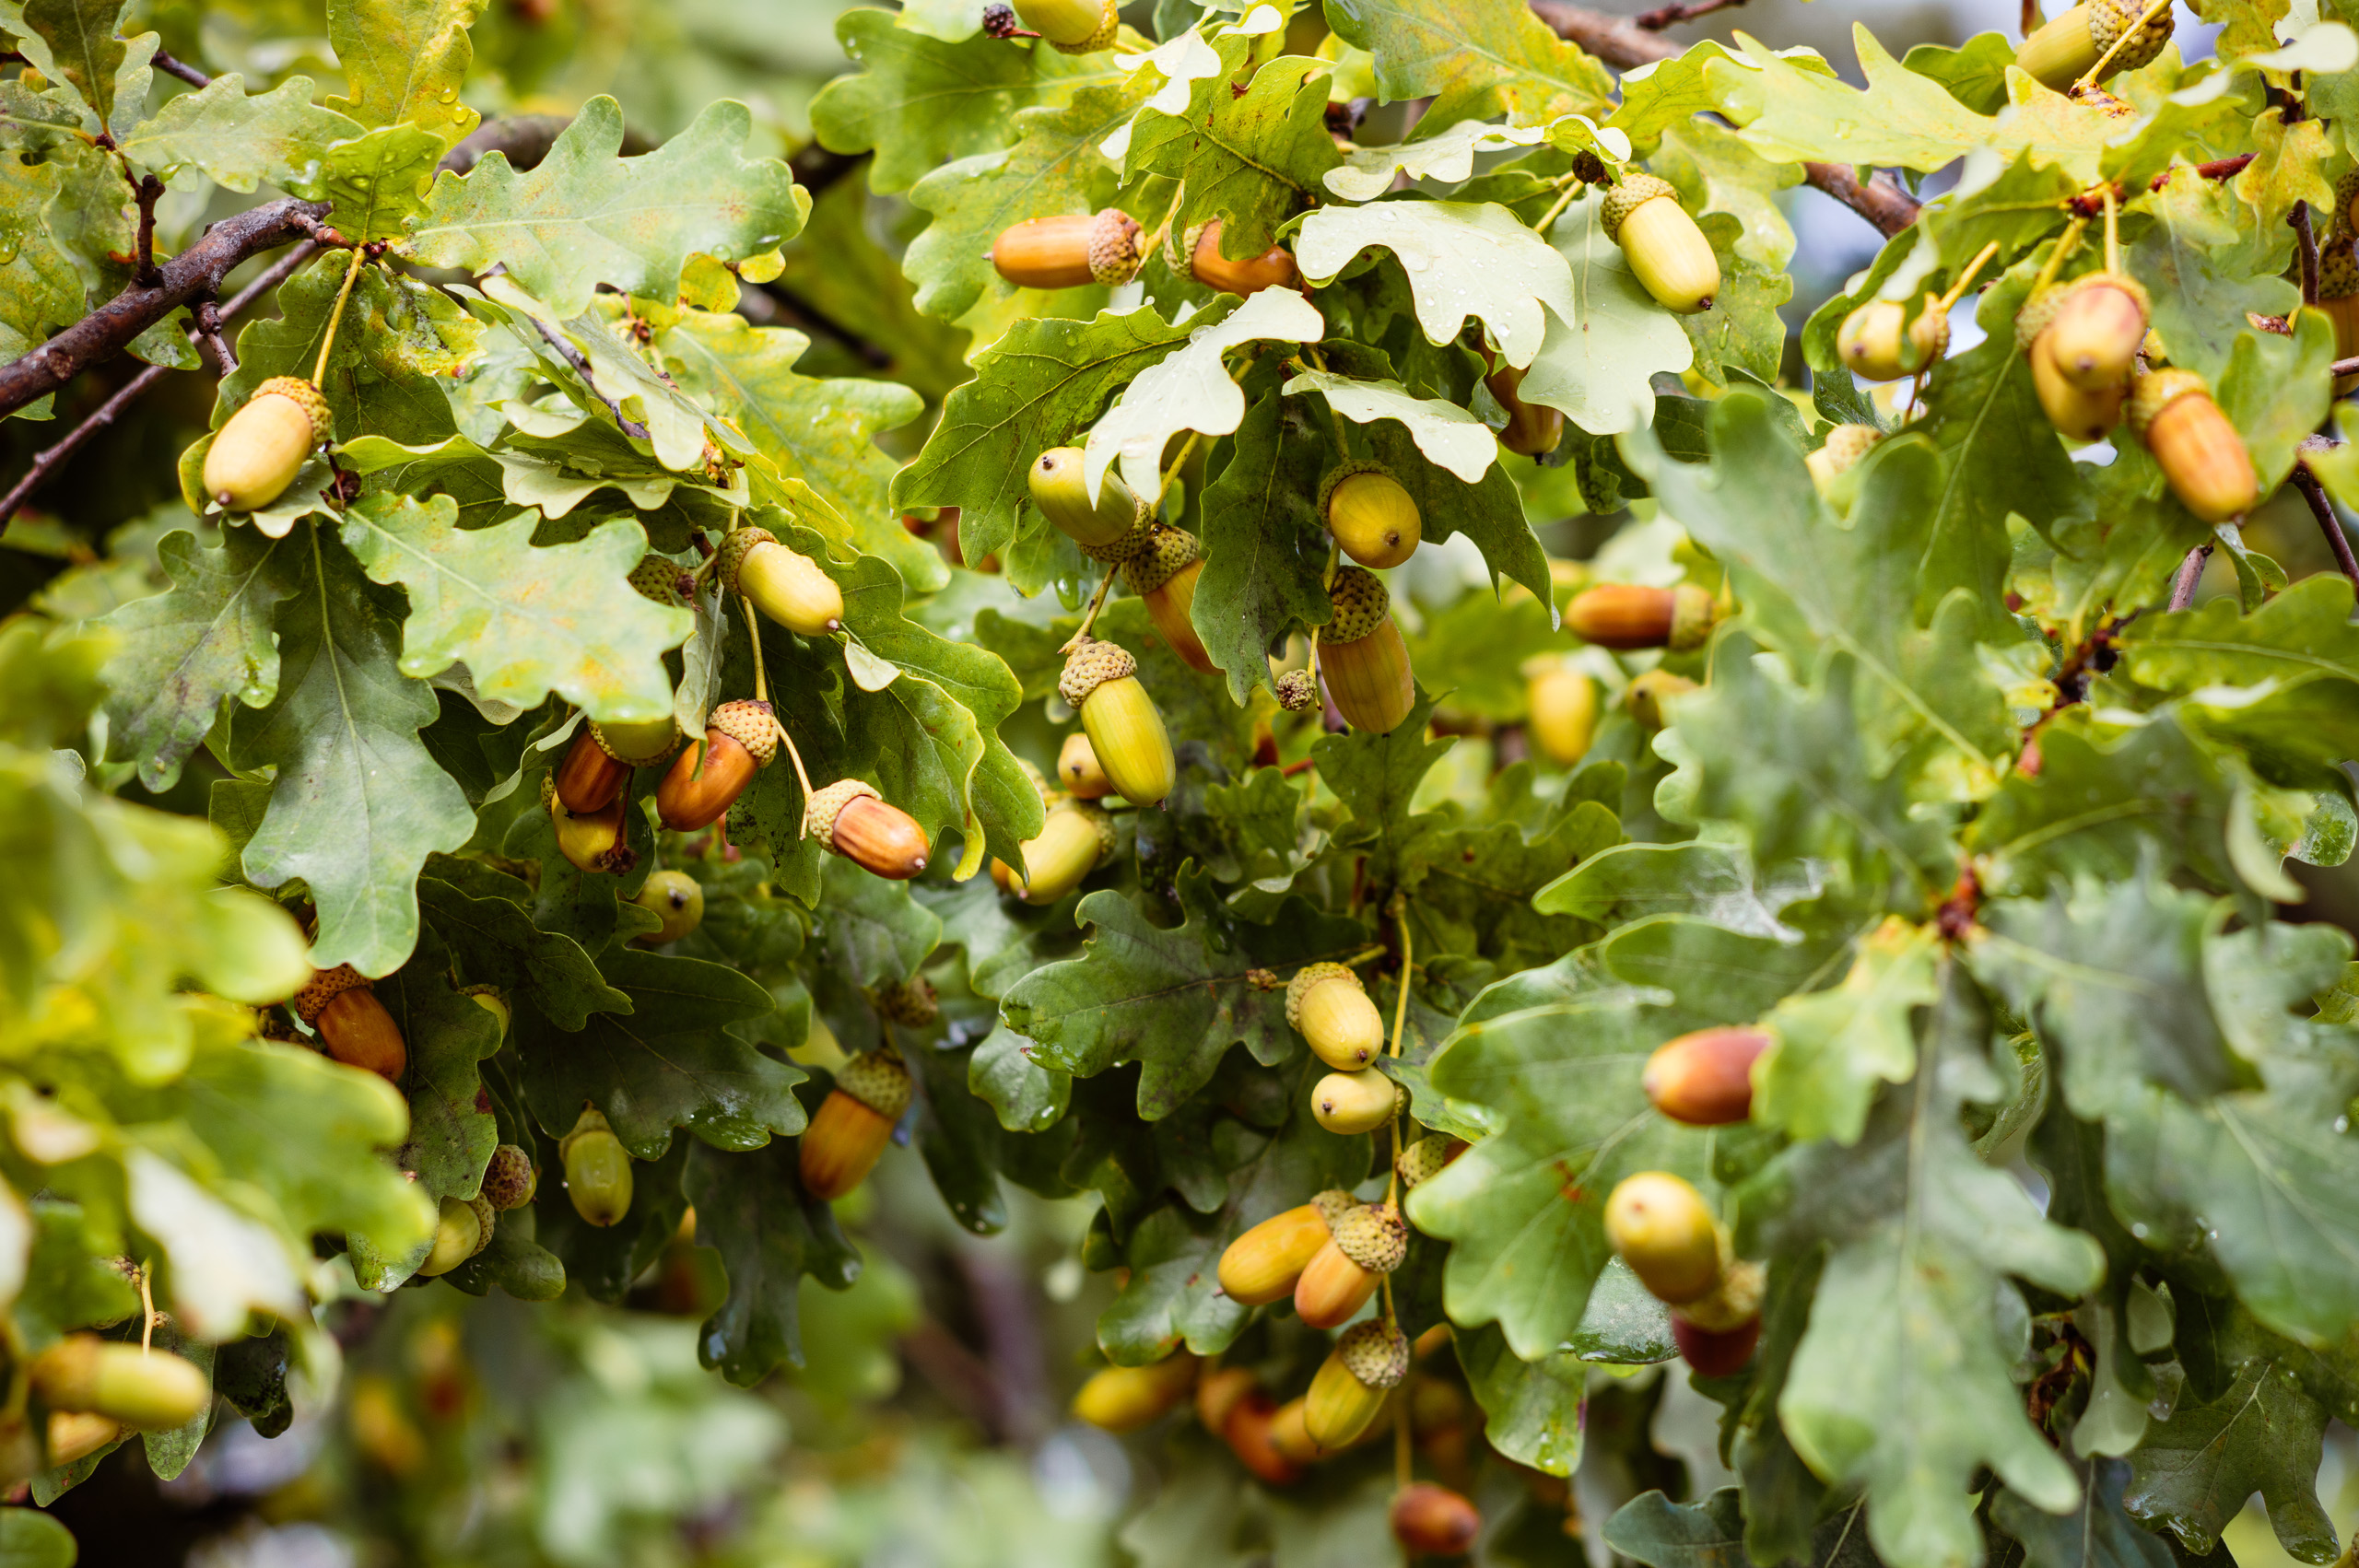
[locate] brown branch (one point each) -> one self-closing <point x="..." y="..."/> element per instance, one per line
<point x="2218" y="169"/>
<point x="181" y="68"/>
<point x="107" y="331"/>
<point x="2329" y="524"/>
<point x="1881" y="200"/>
<point x="2306" y="246"/>
<point x="1664" y="16"/>
<point x="523" y="139"/>
<point x="208" y="335"/>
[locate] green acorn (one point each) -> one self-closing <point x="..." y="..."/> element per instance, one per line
<point x="1664" y="248"/>
<point x="256" y="454"/>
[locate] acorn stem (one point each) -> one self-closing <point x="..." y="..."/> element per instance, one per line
<point x="2112" y="230"/>
<point x="335" y="317"/>
<point x="1317" y="362"/>
<point x="1096" y="603"/>
<point x="802" y="829"/>
<point x="753" y="634"/>
<point x="1400" y="1020"/>
<point x="1956" y="291"/>
<point x="2056" y="259"/>
<point x="1573" y="187"/>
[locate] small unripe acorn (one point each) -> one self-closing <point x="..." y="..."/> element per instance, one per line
<point x="509" y="1180"/>
<point x="1077" y="769"/>
<point x="1627" y="617"/>
<point x="1074" y="27"/>
<point x="146" y="1390"/>
<point x="1111" y="528"/>
<point x="1705" y="1078"/>
<point x="1252" y="1432"/>
<point x="1661" y="1229"/>
<point x="1163" y="572"/>
<point x="1434" y="1519"/>
<point x="1351" y="1102"/>
<point x="1066" y="253"/>
<point x="1077" y="839"/>
<point x="595" y="842"/>
<point x="2199" y="450"/>
<point x="1264" y="1264"/>
<point x="1273" y="268"/>
<point x="2080" y="416"/>
<point x="740" y="739"/>
<point x="1669" y="254"/>
<point x="458" y="1236"/>
<point x="1533" y="428"/>
<point x="1367" y="1242"/>
<point x="1563" y="718"/>
<point x="2068" y="48"/>
<point x="1647" y="694"/>
<point x="677" y="899"/>
<point x="1877" y="342"/>
<point x="1101" y="682"/>
<point x="1844" y="447"/>
<point x="597" y="1170"/>
<point x="854" y="1124"/>
<point x="1327" y="1005"/>
<point x="491" y="1001"/>
<point x="1716" y="1352"/>
<point x="2099" y="323"/>
<point x="256" y="454"/>
<point x="1368" y="1363"/>
<point x="1373" y="519"/>
<point x="852" y="820"/>
<point x="1362" y="656"/>
<point x="351" y="1023"/>
<point x="785" y="585"/>
<point x="1123" y="1399"/>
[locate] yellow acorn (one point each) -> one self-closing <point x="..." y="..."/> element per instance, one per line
<point x="1066" y="253"/>
<point x="1078" y="838"/>
<point x="785" y="585"/>
<point x="1113" y="528"/>
<point x="463" y="1230"/>
<point x="2068" y="48"/>
<point x="1367" y="1241"/>
<point x="677" y="899"/>
<point x="2200" y="451"/>
<point x="852" y="820"/>
<point x="1162" y="571"/>
<point x="1362" y="656"/>
<point x="77" y="1434"/>
<point x="256" y="454"/>
<point x="1661" y="1229"/>
<point x="1078" y="771"/>
<point x="1665" y="249"/>
<point x="1101" y="682"/>
<point x="1368" y="1363"/>
<point x="342" y="1007"/>
<point x="854" y="1124"/>
<point x="1263" y="1265"/>
<point x="2098" y="324"/>
<point x="146" y="1390"/>
<point x="1646" y="695"/>
<point x="1845" y="446"/>
<point x="1074" y="27"/>
<point x="1273" y="268"/>
<point x="1327" y="1005"/>
<point x="1875" y="341"/>
<point x="597" y="1170"/>
<point x="1372" y="518"/>
<point x="491" y="1001"/>
<point x="1351" y="1103"/>
<point x="1563" y="718"/>
<point x="1627" y="617"/>
<point x="2080" y="416"/>
<point x="1123" y="1399"/>
<point x="591" y="841"/>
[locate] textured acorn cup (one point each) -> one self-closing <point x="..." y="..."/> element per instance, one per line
<point x="2199" y="450"/>
<point x="1076" y="840"/>
<point x="740" y="738"/>
<point x="1351" y="1102"/>
<point x="1273" y="268"/>
<point x="592" y="841"/>
<point x="1716" y="1352"/>
<point x="1533" y="428"/>
<point x="1100" y="682"/>
<point x="1295" y="691"/>
<point x="785" y="585"/>
<point x="1627" y="617"/>
<point x="1669" y="253"/>
<point x="1111" y="528"/>
<point x="146" y="1390"/>
<point x="256" y="454"/>
<point x="1562" y="703"/>
<point x="2068" y="48"/>
<point x="1362" y="656"/>
<point x="1066" y="253"/>
<point x="1877" y="342"/>
<point x="597" y="1170"/>
<point x="1373" y="519"/>
<point x="1705" y="1078"/>
<point x="1123" y="1399"/>
<point x="1162" y="573"/>
<point x="1426" y="1158"/>
<point x="458" y="1236"/>
<point x="677" y="899"/>
<point x="1844" y="447"/>
<point x="1077" y="769"/>
<point x="854" y="1124"/>
<point x="352" y="1023"/>
<point x="509" y="1180"/>
<point x="852" y="820"/>
<point x="1327" y="1005"/>
<point x="2079" y="416"/>
<point x="1368" y="1363"/>
<point x="1434" y="1519"/>
<point x="1263" y="1264"/>
<point x="1074" y="27"/>
<point x="1367" y="1241"/>
<point x="1661" y="1229"/>
<point x="588" y="779"/>
<point x="912" y="1003"/>
<point x="1251" y="1430"/>
<point x="2099" y="323"/>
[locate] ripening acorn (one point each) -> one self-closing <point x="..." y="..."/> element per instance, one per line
<point x="1373" y="519"/>
<point x="854" y="1124"/>
<point x="461" y="1230"/>
<point x="2096" y="330"/>
<point x="677" y="899"/>
<point x="1844" y="447"/>
<point x="1078" y="838"/>
<point x="1368" y="1363"/>
<point x="1627" y="617"/>
<point x="2199" y="450"/>
<point x="740" y="739"/>
<point x="785" y="585"/>
<point x="1647" y="694"/>
<point x="2079" y="416"/>
<point x="1665" y="249"/>
<point x="256" y="454"/>
<point x="1263" y="1264"/>
<point x="1351" y="1102"/>
<point x="342" y="1007"/>
<point x="1290" y="1437"/>
<point x="1329" y="1007"/>
<point x="1365" y="1242"/>
<point x="509" y="1179"/>
<point x="1110" y="529"/>
<point x="1252" y="1431"/>
<point x="1273" y="268"/>
<point x="1218" y="1393"/>
<point x="1705" y="1078"/>
<point x="77" y="1434"/>
<point x="1067" y="252"/>
<point x="146" y="1390"/>
<point x="852" y="820"/>
<point x="1434" y="1519"/>
<point x="2068" y="48"/>
<point x="1078" y="771"/>
<point x="1362" y="656"/>
<point x="1074" y="27"/>
<point x="1162" y="571"/>
<point x="1661" y="1229"/>
<point x="594" y="841"/>
<point x="1716" y="1352"/>
<point x="1878" y="343"/>
<point x="600" y="761"/>
<point x="1533" y="428"/>
<point x="597" y="1170"/>
<point x="1562" y="703"/>
<point x="1102" y="684"/>
<point x="1123" y="1399"/>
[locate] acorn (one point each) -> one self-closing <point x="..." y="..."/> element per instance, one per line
<point x="1353" y="1103"/>
<point x="2199" y="450"/>
<point x="1716" y="1353"/>
<point x="343" y="1010"/>
<point x="463" y="1230"/>
<point x="1123" y="1399"/>
<point x="77" y="1434"/>
<point x="1078" y="771"/>
<point x="596" y="841"/>
<point x="785" y="585"/>
<point x="588" y="779"/>
<point x="1845" y="446"/>
<point x="1367" y="1242"/>
<point x="854" y="1124"/>
<point x="1077" y="839"/>
<point x="1368" y="1363"/>
<point x="2068" y="48"/>
<point x="2079" y="416"/>
<point x="1250" y="1429"/>
<point x="1263" y="1264"/>
<point x="1074" y="26"/>
<point x="1646" y="695"/>
<point x="1661" y="1229"/>
<point x="1273" y="268"/>
<point x="509" y="1180"/>
<point x="1101" y="682"/>
<point x="1718" y="1331"/>
<point x="2097" y="326"/>
<point x="1705" y="1078"/>
<point x="1163" y="572"/>
<point x="1434" y="1519"/>
<point x="256" y="454"/>
<point x="1329" y="1007"/>
<point x="740" y="738"/>
<point x="146" y="1390"/>
<point x="1533" y="428"/>
<point x="1563" y="713"/>
<point x="1627" y="617"/>
<point x="852" y="820"/>
<point x="597" y="1169"/>
<point x="1111" y="528"/>
<point x="1361" y="653"/>
<point x="1664" y="248"/>
<point x="1066" y="253"/>
<point x="1372" y="518"/>
<point x="1876" y="342"/>
<point x="1425" y="1159"/>
<point x="1290" y="1435"/>
<point x="677" y="899"/>
<point x="491" y="1001"/>
<point x="2339" y="292"/>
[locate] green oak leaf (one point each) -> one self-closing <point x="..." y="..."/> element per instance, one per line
<point x="1709" y="1533"/>
<point x="2193" y="1473"/>
<point x="1250" y="158"/>
<point x="40" y="290"/>
<point x="751" y="1209"/>
<point x="514" y="1260"/>
<point x="1534" y="1411"/>
<point x="1476" y="60"/>
<point x="496" y="944"/>
<point x="1975" y="73"/>
<point x="450" y="1132"/>
<point x="1265" y="545"/>
<point x="1463" y="260"/>
<point x="1830" y="1049"/>
<point x="1712" y="882"/>
<point x="236" y="139"/>
<point x="2096" y="1534"/>
<point x="374" y="183"/>
<point x="404" y="61"/>
<point x="1597" y="361"/>
<point x="2205" y="263"/>
<point x="75" y="41"/>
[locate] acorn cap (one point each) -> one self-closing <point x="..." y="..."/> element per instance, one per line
<point x="1332" y="1204"/>
<point x="1295" y="691"/>
<point x="877" y="1080"/>
<point x="323" y="988"/>
<point x="2157" y="390"/>
<point x="1372" y="1236"/>
<point x="1342" y="472"/>
<point x="1625" y="198"/>
<point x="1311" y="975"/>
<point x="2109" y="20"/>
<point x="750" y="724"/>
<point x="1165" y="550"/>
<point x="508" y="1181"/>
<point x="1114" y="252"/>
<point x="598" y="736"/>
<point x="657" y="578"/>
<point x="1360" y="604"/>
<point x="739" y="542"/>
<point x="1375" y="1352"/>
<point x="1693" y="612"/>
<point x="2034" y="318"/>
<point x="911" y="1003"/>
<point x="296" y="390"/>
<point x="1179" y="246"/>
<point x="1423" y="1160"/>
<point x="1090" y="667"/>
<point x="1129" y="544"/>
<point x="2346" y="191"/>
<point x="820" y="812"/>
<point x="2339" y="266"/>
<point x="487" y="1219"/>
<point x="1845" y="445"/>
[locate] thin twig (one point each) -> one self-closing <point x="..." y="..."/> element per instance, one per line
<point x="150" y="190"/>
<point x="208" y="335"/>
<point x="335" y="317"/>
<point x="580" y="364"/>
<point x="2329" y="524"/>
<point x="1664" y="16"/>
<point x="2190" y="572"/>
<point x="2218" y="169"/>
<point x="181" y="68"/>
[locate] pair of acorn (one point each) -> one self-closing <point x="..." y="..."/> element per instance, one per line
<point x="1329" y="1007"/>
<point x="1158" y="564"/>
<point x="1109" y="247"/>
<point x="1078" y="834"/>
<point x="464" y="1228"/>
<point x="1122" y="749"/>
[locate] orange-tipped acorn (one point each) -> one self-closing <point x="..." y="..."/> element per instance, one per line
<point x="1710" y="1352"/>
<point x="342" y="1007"/>
<point x="600" y="761"/>
<point x="1273" y="268"/>
<point x="1123" y="1399"/>
<point x="1066" y="253"/>
<point x="1163" y="572"/>
<point x="1705" y="1078"/>
<point x="854" y="1124"/>
<point x="2198" y="451"/>
<point x="1434" y="1519"/>
<point x="256" y="454"/>
<point x="1367" y="1241"/>
<point x="740" y="738"/>
<point x="1264" y="1264"/>
<point x="1628" y="616"/>
<point x="1362" y="656"/>
<point x="852" y="820"/>
<point x="1251" y="1430"/>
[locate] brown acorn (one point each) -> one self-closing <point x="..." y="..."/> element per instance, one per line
<point x="146" y="1390"/>
<point x="1371" y="516"/>
<point x="2198" y="451"/>
<point x="1362" y="656"/>
<point x="1627" y="617"/>
<point x="261" y="447"/>
<point x="1101" y="682"/>
<point x="1251" y="1431"/>
<point x="1367" y="1241"/>
<point x="1369" y="1362"/>
<point x="852" y="820"/>
<point x="854" y="1124"/>
<point x="1066" y="253"/>
<point x="1434" y="1519"/>
<point x="1123" y="1399"/>
<point x="597" y="1169"/>
<point x="2099" y="322"/>
<point x="1263" y="1265"/>
<point x="1716" y="1352"/>
<point x="1273" y="268"/>
<point x="1705" y="1078"/>
<point x="342" y="1007"/>
<point x="1111" y="528"/>
<point x="785" y="585"/>
<point x="588" y="777"/>
<point x="1164" y="572"/>
<point x="1533" y="428"/>
<point x="596" y="841"/>
<point x="1078" y="771"/>
<point x="1669" y="254"/>
<point x="740" y="738"/>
